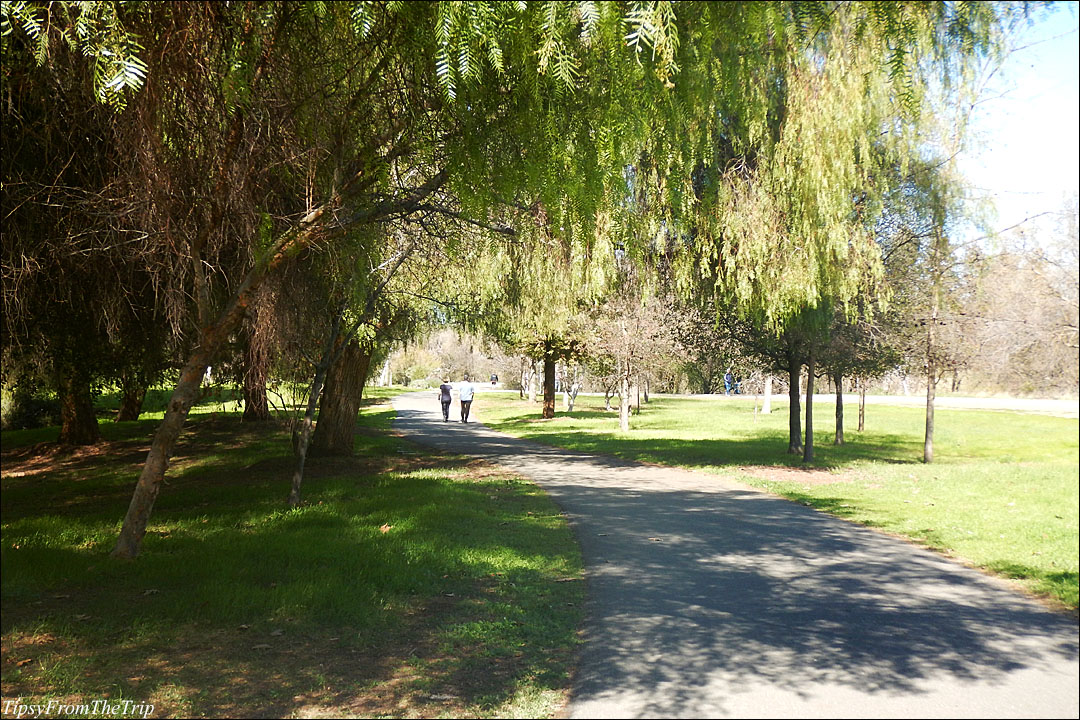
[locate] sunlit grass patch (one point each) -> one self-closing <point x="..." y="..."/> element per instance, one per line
<point x="240" y="606"/>
<point x="1001" y="494"/>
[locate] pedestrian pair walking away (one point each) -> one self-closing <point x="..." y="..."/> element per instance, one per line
<point x="465" y="394"/>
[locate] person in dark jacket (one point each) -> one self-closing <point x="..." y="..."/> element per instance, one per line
<point x="445" y="398"/>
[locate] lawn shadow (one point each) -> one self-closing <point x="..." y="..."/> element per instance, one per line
<point x="245" y="607"/>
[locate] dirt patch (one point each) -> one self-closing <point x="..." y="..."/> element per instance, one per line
<point x="803" y="476"/>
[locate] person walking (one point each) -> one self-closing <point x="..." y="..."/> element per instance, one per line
<point x="465" y="394"/>
<point x="445" y="398"/>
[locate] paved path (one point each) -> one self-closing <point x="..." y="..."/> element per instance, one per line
<point x="711" y="599"/>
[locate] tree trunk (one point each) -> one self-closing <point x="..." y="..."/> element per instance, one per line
<point x="808" y="446"/>
<point x="795" y="446"/>
<point x="766" y="404"/>
<point x="78" y="424"/>
<point x="256" y="406"/>
<point x="838" y="381"/>
<point x="624" y="397"/>
<point x="157" y="460"/>
<point x="211" y="338"/>
<point x="571" y="396"/>
<point x="928" y="440"/>
<point x="336" y="430"/>
<point x="314" y="395"/>
<point x="862" y="404"/>
<point x="132" y="395"/>
<point x="646" y="389"/>
<point x="549" y="385"/>
<point x="523" y="378"/>
<point x="532" y="381"/>
<point x="931" y="377"/>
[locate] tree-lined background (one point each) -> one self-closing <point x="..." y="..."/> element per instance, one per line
<point x="621" y="196"/>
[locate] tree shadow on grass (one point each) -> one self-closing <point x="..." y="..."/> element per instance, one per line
<point x="239" y="607"/>
<point x="760" y="450"/>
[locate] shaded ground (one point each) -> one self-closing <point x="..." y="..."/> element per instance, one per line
<point x="78" y="626"/>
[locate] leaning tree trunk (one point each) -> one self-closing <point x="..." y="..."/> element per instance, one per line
<point x="157" y="460"/>
<point x="336" y="430"/>
<point x="211" y="338"/>
<point x="307" y="424"/>
<point x="549" y="385"/>
<point x="795" y="446"/>
<point x="838" y="380"/>
<point x="78" y="423"/>
<point x="808" y="446"/>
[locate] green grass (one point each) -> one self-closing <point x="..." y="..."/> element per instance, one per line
<point x="1001" y="494"/>
<point x="407" y="583"/>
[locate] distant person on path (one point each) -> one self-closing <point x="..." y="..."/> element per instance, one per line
<point x="727" y="383"/>
<point x="445" y="398"/>
<point x="465" y="394"/>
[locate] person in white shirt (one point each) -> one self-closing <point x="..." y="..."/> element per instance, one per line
<point x="465" y="394"/>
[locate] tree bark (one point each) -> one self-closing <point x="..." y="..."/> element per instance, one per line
<point x="78" y="423"/>
<point x="808" y="446"/>
<point x="795" y="446"/>
<point x="549" y="384"/>
<point x="256" y="368"/>
<point x="335" y="432"/>
<point x="838" y="381"/>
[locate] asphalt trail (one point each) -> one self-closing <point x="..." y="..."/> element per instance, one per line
<point x="712" y="599"/>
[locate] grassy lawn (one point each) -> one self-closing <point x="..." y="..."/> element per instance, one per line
<point x="1001" y="494"/>
<point x="409" y="585"/>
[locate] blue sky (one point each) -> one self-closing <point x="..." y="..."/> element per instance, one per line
<point x="1024" y="153"/>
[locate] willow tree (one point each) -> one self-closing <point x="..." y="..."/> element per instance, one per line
<point x="243" y="161"/>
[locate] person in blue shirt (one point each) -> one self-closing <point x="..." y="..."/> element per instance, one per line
<point x="465" y="394"/>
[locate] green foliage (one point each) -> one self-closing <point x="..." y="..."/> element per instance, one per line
<point x="94" y="29"/>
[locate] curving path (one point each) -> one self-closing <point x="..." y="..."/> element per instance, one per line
<point x="711" y="599"/>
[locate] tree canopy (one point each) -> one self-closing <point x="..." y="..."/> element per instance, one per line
<point x="740" y="144"/>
